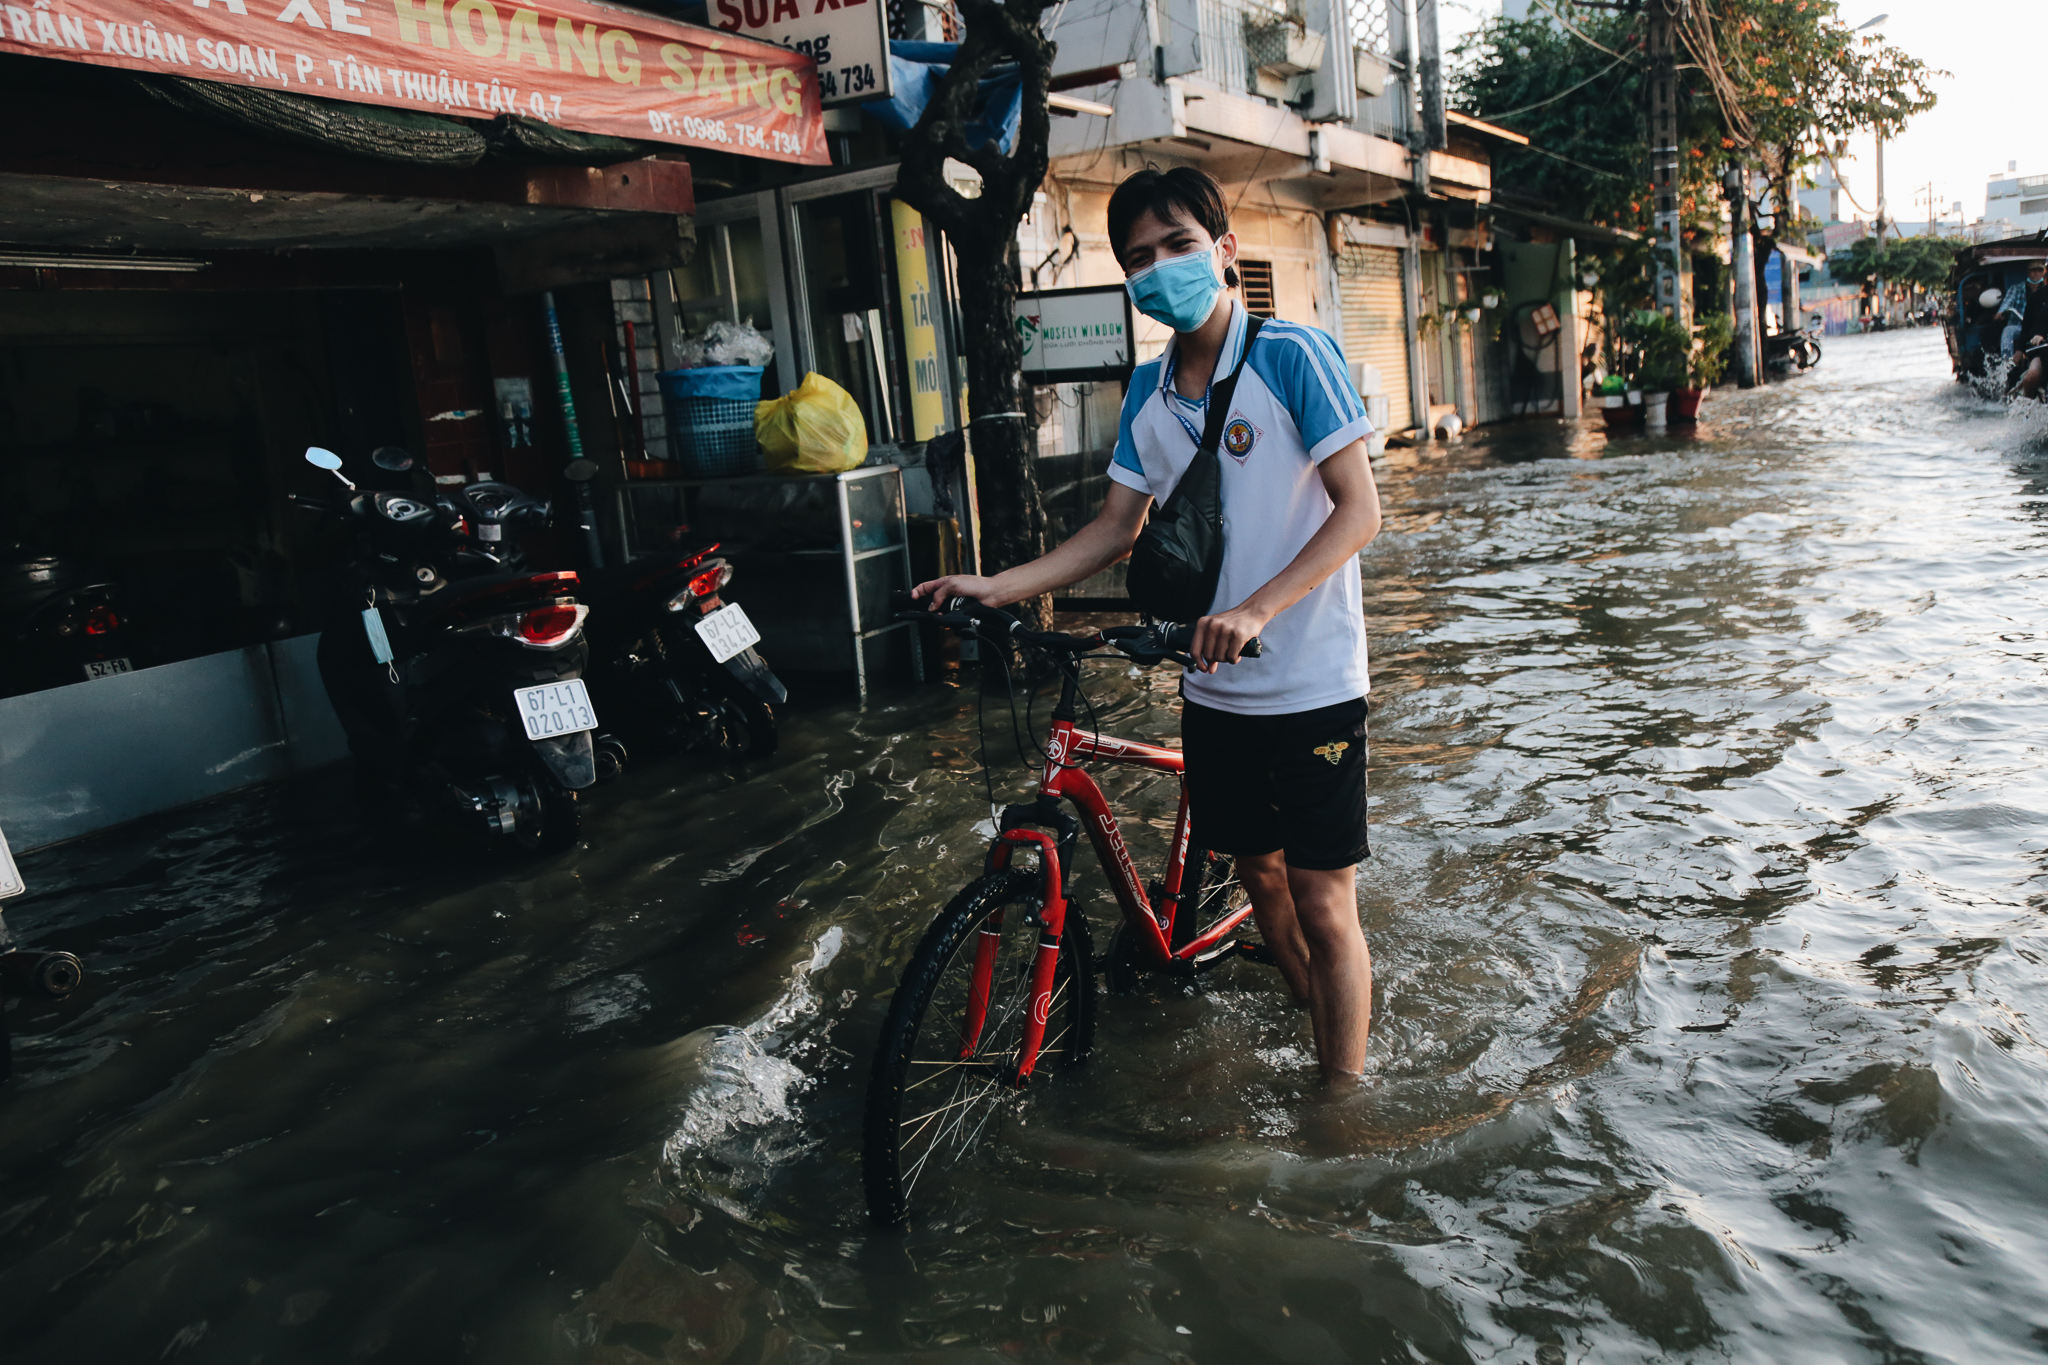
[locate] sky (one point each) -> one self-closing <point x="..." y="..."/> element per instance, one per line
<point x="1988" y="114"/>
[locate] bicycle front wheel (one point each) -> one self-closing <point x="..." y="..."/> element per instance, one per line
<point x="942" y="1087"/>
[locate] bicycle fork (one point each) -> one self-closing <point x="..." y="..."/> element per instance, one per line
<point x="1051" y="918"/>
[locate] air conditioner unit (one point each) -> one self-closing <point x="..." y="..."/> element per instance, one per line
<point x="1372" y="73"/>
<point x="1283" y="50"/>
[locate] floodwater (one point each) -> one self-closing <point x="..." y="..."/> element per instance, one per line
<point x="1707" y="904"/>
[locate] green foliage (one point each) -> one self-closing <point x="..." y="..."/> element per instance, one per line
<point x="1715" y="334"/>
<point x="1572" y="100"/>
<point x="1793" y="81"/>
<point x="1922" y="261"/>
<point x="1664" y="347"/>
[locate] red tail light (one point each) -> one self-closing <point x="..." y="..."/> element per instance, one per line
<point x="549" y="626"/>
<point x="702" y="585"/>
<point x="101" y="620"/>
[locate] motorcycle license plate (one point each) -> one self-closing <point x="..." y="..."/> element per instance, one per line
<point x="553" y="709"/>
<point x="107" y="668"/>
<point x="727" y="631"/>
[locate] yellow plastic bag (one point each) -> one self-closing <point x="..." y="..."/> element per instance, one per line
<point x="817" y="429"/>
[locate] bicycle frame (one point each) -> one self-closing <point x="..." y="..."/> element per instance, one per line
<point x="1065" y="780"/>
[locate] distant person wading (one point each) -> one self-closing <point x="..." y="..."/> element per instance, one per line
<point x="1275" y="746"/>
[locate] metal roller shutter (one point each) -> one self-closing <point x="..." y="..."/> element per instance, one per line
<point x="1369" y="280"/>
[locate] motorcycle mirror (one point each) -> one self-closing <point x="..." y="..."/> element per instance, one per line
<point x="397" y="459"/>
<point x="329" y="461"/>
<point x="581" y="471"/>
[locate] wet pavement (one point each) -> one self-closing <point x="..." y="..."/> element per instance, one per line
<point x="1706" y="906"/>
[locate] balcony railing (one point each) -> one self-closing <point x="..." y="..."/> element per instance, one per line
<point x="1225" y="61"/>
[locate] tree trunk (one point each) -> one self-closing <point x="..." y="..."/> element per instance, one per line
<point x="982" y="230"/>
<point x="1003" y="431"/>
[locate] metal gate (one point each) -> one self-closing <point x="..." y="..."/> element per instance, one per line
<point x="1375" y="331"/>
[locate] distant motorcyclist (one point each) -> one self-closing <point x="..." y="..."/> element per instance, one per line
<point x="2034" y="327"/>
<point x="2012" y="310"/>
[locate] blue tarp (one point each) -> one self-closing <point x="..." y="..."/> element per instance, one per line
<point x="916" y="68"/>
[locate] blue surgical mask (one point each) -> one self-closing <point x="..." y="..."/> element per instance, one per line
<point x="1179" y="291"/>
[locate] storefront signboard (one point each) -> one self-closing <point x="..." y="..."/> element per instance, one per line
<point x="1072" y="335"/>
<point x="849" y="39"/>
<point x="920" y="331"/>
<point x="571" y="63"/>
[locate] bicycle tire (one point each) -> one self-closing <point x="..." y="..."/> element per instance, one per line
<point x="912" y="1153"/>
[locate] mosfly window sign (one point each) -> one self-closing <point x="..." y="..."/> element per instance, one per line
<point x="1071" y="335"/>
<point x="848" y="39"/>
<point x="566" y="62"/>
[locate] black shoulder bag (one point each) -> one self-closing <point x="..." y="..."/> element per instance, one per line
<point x="1178" y="559"/>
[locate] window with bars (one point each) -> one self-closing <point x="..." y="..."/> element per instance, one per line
<point x="1256" y="278"/>
<point x="1374" y="27"/>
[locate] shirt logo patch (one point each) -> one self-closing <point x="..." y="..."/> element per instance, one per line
<point x="1239" y="436"/>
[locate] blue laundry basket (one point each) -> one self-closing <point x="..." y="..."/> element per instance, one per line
<point x="711" y="419"/>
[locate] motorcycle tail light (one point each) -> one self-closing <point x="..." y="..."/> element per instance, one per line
<point x="549" y="626"/>
<point x="702" y="585"/>
<point x="101" y="620"/>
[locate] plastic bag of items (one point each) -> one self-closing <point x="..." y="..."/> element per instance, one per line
<point x="725" y="343"/>
<point x="818" y="429"/>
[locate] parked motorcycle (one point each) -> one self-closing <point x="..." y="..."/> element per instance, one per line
<point x="1792" y="350"/>
<point x="456" y="674"/>
<point x="675" y="663"/>
<point x="60" y="623"/>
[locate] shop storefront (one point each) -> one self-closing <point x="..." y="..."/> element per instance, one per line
<point x="204" y="271"/>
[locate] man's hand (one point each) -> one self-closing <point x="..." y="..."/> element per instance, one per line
<point x="1219" y="639"/>
<point x="944" y="590"/>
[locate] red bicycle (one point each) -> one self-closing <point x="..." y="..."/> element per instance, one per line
<point x="1002" y="985"/>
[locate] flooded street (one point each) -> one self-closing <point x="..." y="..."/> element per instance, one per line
<point x="1711" y="853"/>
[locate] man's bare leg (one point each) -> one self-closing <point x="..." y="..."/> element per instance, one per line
<point x="1310" y="922"/>
<point x="2031" y="384"/>
<point x="1265" y="880"/>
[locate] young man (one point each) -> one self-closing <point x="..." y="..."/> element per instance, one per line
<point x="1275" y="746"/>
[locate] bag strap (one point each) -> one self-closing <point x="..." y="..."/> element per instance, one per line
<point x="1224" y="389"/>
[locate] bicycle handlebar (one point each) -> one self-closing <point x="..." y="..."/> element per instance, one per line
<point x="1141" y="644"/>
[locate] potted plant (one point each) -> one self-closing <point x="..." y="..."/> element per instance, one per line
<point x="1709" y="360"/>
<point x="1666" y="347"/>
<point x="1616" y="410"/>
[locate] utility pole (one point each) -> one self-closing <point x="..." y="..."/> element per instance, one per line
<point x="1742" y="258"/>
<point x="1674" y="274"/>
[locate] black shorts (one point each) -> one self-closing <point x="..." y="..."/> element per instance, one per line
<point x="1293" y="783"/>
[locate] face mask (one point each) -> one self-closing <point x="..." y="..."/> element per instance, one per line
<point x="1179" y="291"/>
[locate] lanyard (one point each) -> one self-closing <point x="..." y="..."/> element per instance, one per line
<point x="1167" y="393"/>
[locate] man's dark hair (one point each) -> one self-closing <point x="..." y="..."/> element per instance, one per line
<point x="1183" y="194"/>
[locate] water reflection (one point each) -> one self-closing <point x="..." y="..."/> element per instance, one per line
<point x="1705" y="903"/>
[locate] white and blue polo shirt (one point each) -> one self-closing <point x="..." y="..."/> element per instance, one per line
<point x="1294" y="407"/>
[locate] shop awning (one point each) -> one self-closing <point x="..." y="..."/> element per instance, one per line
<point x="135" y="176"/>
<point x="1575" y="228"/>
<point x="570" y="63"/>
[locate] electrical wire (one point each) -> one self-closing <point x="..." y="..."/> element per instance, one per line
<point x="1542" y="151"/>
<point x="1510" y="113"/>
<point x="1566" y="25"/>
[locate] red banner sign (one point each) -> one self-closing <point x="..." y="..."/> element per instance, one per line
<point x="579" y="65"/>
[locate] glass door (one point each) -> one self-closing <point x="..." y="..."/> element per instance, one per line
<point x="841" y="259"/>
